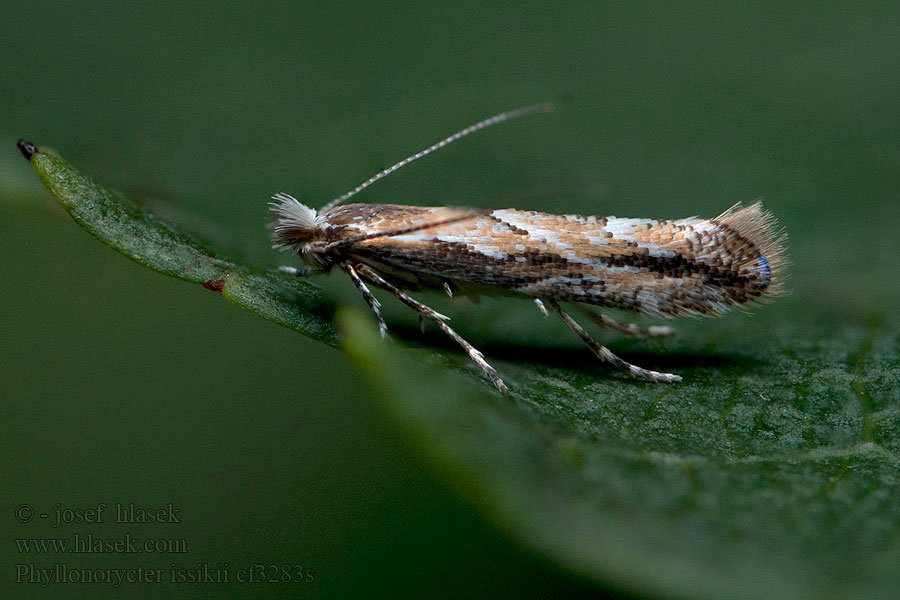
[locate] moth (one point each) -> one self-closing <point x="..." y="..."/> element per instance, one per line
<point x="660" y="268"/>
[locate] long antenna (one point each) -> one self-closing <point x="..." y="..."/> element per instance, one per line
<point x="506" y="116"/>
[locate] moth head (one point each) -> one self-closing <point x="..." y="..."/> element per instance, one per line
<point x="297" y="226"/>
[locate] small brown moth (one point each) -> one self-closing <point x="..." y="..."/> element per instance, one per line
<point x="662" y="268"/>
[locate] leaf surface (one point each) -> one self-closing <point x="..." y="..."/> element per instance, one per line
<point x="772" y="471"/>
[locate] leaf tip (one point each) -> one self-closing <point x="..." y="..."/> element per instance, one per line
<point x="27" y="149"/>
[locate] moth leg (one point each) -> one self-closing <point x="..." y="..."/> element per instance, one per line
<point x="626" y="328"/>
<point x="304" y="272"/>
<point x="371" y="300"/>
<point x="604" y="354"/>
<point x="441" y="321"/>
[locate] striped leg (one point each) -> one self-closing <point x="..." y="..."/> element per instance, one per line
<point x="371" y="300"/>
<point x="441" y="321"/>
<point x="626" y="328"/>
<point x="304" y="272"/>
<point x="604" y="354"/>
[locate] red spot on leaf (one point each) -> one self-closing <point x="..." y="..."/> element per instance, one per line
<point x="214" y="285"/>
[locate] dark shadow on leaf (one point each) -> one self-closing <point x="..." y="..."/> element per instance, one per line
<point x="580" y="358"/>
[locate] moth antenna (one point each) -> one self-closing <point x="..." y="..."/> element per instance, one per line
<point x="505" y="116"/>
<point x="403" y="230"/>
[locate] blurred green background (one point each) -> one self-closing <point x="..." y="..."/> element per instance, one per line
<point x="120" y="385"/>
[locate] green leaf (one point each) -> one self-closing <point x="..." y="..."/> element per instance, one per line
<point x="772" y="471"/>
<point x="765" y="475"/>
<point x="143" y="237"/>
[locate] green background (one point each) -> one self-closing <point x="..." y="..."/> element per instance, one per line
<point x="119" y="385"/>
